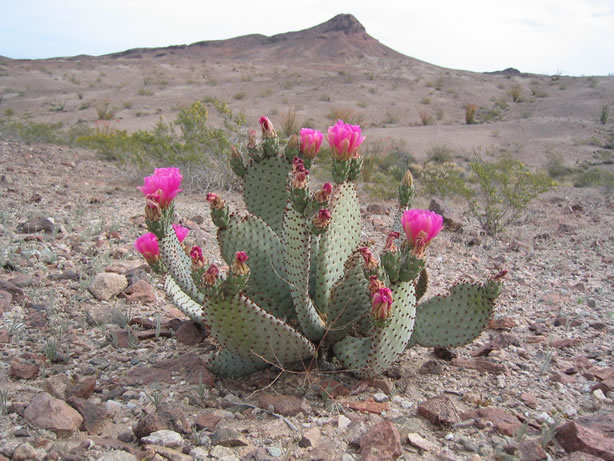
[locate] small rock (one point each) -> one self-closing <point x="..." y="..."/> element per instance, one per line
<point x="140" y="292"/>
<point x="25" y="452"/>
<point x="431" y="367"/>
<point x="481" y="364"/>
<point x="380" y="397"/>
<point x="565" y="342"/>
<point x="275" y="452"/>
<point x="355" y="432"/>
<point x="117" y="455"/>
<point x="16" y="293"/>
<point x="47" y="412"/>
<point x="224" y="453"/>
<point x="382" y="441"/>
<point x="599" y="395"/>
<point x="286" y="405"/>
<point x="311" y="437"/>
<point x="22" y="280"/>
<point x="503" y="420"/>
<point x="228" y="437"/>
<point x="190" y="333"/>
<point x="5" y="300"/>
<point x="502" y="323"/>
<point x="148" y="424"/>
<point x="199" y="454"/>
<point x="57" y="385"/>
<point x="36" y="225"/>
<point x="138" y="273"/>
<point x="84" y="388"/>
<point x="94" y="416"/>
<point x="383" y="384"/>
<point x="544" y="417"/>
<point x="531" y="451"/>
<point x="529" y="400"/>
<point x="443" y="353"/>
<point x="368" y="406"/>
<point x="23" y="370"/>
<point x="163" y="437"/>
<point x="107" y="285"/>
<point x="343" y="422"/>
<point x="325" y="451"/>
<point x="207" y="421"/>
<point x="439" y="410"/>
<point x="418" y="441"/>
<point x="376" y="208"/>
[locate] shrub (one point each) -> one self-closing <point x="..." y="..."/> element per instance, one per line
<point x="202" y="151"/>
<point x="444" y="180"/>
<point x="348" y="115"/>
<point x="605" y="113"/>
<point x="470" y="110"/>
<point x="515" y="92"/>
<point x="596" y="177"/>
<point x="439" y="154"/>
<point x="497" y="193"/>
<point x="104" y="111"/>
<point x="425" y="117"/>
<point x="289" y="122"/>
<point x="555" y="166"/>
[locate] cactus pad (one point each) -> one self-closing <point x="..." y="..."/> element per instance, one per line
<point x="183" y="302"/>
<point x="266" y="285"/>
<point x="456" y="319"/>
<point x="338" y="242"/>
<point x="227" y="364"/>
<point x="264" y="190"/>
<point x="247" y="330"/>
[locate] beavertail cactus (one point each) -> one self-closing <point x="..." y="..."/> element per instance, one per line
<point x="300" y="284"/>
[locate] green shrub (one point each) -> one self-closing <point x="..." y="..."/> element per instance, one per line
<point x="605" y="113"/>
<point x="497" y="193"/>
<point x="188" y="142"/>
<point x="49" y="133"/>
<point x="555" y="166"/>
<point x="439" y="154"/>
<point x="444" y="180"/>
<point x="596" y="177"/>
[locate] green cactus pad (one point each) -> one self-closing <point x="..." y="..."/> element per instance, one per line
<point x="456" y="319"/>
<point x="228" y="364"/>
<point x="369" y="357"/>
<point x="183" y="302"/>
<point x="349" y="299"/>
<point x="266" y="286"/>
<point x="422" y="284"/>
<point x="240" y="325"/>
<point x="178" y="264"/>
<point x="338" y="242"/>
<point x="297" y="258"/>
<point x="265" y="192"/>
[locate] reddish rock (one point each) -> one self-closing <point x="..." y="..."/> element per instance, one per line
<point x="383" y="384"/>
<point x="140" y="292"/>
<point x="439" y="410"/>
<point x="531" y="451"/>
<point x="602" y="423"/>
<point x="23" y="370"/>
<point x="381" y="442"/>
<point x="482" y="365"/>
<point x="84" y="388"/>
<point x="603" y="374"/>
<point x="498" y="342"/>
<point x="286" y="405"/>
<point x="94" y="416"/>
<point x="576" y="437"/>
<point x="57" y="385"/>
<point x="4" y="334"/>
<point x="148" y="424"/>
<point x="565" y="342"/>
<point x="47" y="412"/>
<point x="562" y="378"/>
<point x="605" y="386"/>
<point x="529" y="400"/>
<point x="502" y="323"/>
<point x="326" y="450"/>
<point x="16" y="293"/>
<point x="190" y="333"/>
<point x="368" y="406"/>
<point x="504" y="421"/>
<point x="580" y="456"/>
<point x="207" y="421"/>
<point x="5" y="300"/>
<point x="333" y="388"/>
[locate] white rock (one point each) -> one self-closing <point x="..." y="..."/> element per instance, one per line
<point x="117" y="455"/>
<point x="343" y="422"/>
<point x="107" y="285"/>
<point x="223" y="453"/>
<point x="544" y="417"/>
<point x="199" y="454"/>
<point x="164" y="437"/>
<point x="380" y="397"/>
<point x="598" y="394"/>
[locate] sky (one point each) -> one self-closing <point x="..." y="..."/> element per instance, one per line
<point x="571" y="37"/>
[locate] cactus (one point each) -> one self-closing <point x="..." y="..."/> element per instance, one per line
<point x="300" y="285"/>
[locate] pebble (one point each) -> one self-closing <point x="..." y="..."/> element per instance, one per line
<point x="343" y="422"/>
<point x="599" y="395"/>
<point x="544" y="417"/>
<point x="380" y="397"/>
<point x="275" y="452"/>
<point x="164" y="437"/>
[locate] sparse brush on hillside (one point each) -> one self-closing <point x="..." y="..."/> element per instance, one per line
<point x="605" y="113"/>
<point x="34" y="132"/>
<point x="202" y="151"/>
<point x="470" y="110"/>
<point x="348" y="114"/>
<point x="289" y="122"/>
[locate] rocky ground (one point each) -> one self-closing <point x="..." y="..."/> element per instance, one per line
<point x="97" y="364"/>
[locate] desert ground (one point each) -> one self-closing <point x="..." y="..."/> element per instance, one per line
<point x="89" y="375"/>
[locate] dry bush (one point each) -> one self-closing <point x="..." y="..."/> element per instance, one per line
<point x="426" y="117"/>
<point x="289" y="122"/>
<point x="515" y="92"/>
<point x="348" y="115"/>
<point x="470" y="110"/>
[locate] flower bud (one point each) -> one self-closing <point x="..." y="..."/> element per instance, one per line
<point x="381" y="304"/>
<point x="369" y="260"/>
<point x="252" y="142"/>
<point x="375" y="284"/>
<point x="238" y="266"/>
<point x="268" y="131"/>
<point x="390" y="246"/>
<point x="215" y="201"/>
<point x="322" y="219"/>
<point x="210" y="277"/>
<point x="323" y="195"/>
<point x="310" y="142"/>
<point x="197" y="257"/>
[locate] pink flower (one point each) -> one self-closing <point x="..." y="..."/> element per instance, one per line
<point x="380" y="303"/>
<point x="182" y="232"/>
<point x="210" y="277"/>
<point x="420" y="227"/>
<point x="163" y="186"/>
<point x="344" y="140"/>
<point x="215" y="201"/>
<point x="238" y="266"/>
<point x="310" y="142"/>
<point x="268" y="130"/>
<point x="324" y="194"/>
<point x="197" y="257"/>
<point x="147" y="245"/>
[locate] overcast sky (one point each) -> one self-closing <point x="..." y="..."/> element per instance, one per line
<point x="575" y="37"/>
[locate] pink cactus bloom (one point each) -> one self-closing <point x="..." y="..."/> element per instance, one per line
<point x="163" y="186"/>
<point x="344" y="140"/>
<point x="238" y="266"/>
<point x="311" y="140"/>
<point x="147" y="245"/>
<point x="381" y="304"/>
<point x="196" y="255"/>
<point x="322" y="219"/>
<point x="268" y="130"/>
<point x="215" y="201"/>
<point x="182" y="232"/>
<point x="420" y="227"/>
